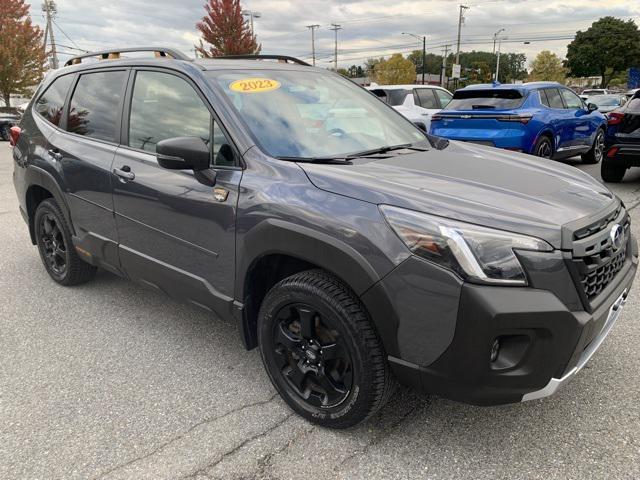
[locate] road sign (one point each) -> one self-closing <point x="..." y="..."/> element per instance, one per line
<point x="455" y="71"/>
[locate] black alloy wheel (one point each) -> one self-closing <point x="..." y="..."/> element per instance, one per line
<point x="54" y="250"/>
<point x="311" y="357"/>
<point x="321" y="351"/>
<point x="543" y="148"/>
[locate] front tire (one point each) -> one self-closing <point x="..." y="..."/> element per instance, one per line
<point x="543" y="147"/>
<point x="57" y="252"/>
<point x="321" y="351"/>
<point x="612" y="173"/>
<point x="596" y="153"/>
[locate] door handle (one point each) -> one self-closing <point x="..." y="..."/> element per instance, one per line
<point x="55" y="154"/>
<point x="124" y="173"/>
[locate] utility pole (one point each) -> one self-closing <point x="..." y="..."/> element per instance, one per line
<point x="49" y="7"/>
<point x="460" y="22"/>
<point x="313" y="41"/>
<point x="495" y="37"/>
<point x="424" y="51"/>
<point x="443" y="70"/>
<point x="498" y="59"/>
<point x="335" y="27"/>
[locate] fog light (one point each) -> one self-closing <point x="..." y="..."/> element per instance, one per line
<point x="495" y="349"/>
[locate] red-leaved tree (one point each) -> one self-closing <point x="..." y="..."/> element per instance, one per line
<point x="22" y="55"/>
<point x="226" y="32"/>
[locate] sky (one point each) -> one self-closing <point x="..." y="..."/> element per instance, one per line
<point x="369" y="27"/>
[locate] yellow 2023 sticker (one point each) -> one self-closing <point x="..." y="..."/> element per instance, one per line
<point x="254" y="85"/>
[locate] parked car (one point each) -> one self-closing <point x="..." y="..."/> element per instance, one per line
<point x="622" y="141"/>
<point x="416" y="102"/>
<point x="539" y="118"/>
<point x="608" y="103"/>
<point x="8" y="118"/>
<point x="590" y="92"/>
<point x="631" y="93"/>
<point x="349" y="256"/>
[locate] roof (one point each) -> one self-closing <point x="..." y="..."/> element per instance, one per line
<point x="525" y="87"/>
<point x="402" y="87"/>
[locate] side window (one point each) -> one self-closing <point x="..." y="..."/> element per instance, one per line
<point x="93" y="111"/>
<point x="572" y="101"/>
<point x="426" y="98"/>
<point x="554" y="100"/>
<point x="51" y="102"/>
<point x="444" y="97"/>
<point x="165" y="106"/>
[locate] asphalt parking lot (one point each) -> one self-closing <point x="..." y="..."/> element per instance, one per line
<point x="108" y="380"/>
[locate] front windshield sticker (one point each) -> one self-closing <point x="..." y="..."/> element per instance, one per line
<point x="254" y="85"/>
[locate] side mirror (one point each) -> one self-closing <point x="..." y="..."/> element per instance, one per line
<point x="592" y="107"/>
<point x="183" y="153"/>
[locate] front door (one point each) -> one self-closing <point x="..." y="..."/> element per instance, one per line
<point x="176" y="233"/>
<point x="580" y="119"/>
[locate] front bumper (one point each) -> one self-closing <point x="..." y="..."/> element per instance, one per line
<point x="445" y="330"/>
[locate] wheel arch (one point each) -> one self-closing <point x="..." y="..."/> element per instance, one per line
<point x="264" y="262"/>
<point x="42" y="185"/>
<point x="546" y="131"/>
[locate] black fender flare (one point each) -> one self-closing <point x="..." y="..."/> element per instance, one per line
<point x="40" y="177"/>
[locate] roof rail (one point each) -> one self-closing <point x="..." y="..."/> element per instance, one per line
<point x="114" y="54"/>
<point x="283" y="58"/>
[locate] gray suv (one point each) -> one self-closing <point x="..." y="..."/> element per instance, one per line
<point x="352" y="249"/>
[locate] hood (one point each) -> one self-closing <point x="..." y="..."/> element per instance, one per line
<point x="475" y="184"/>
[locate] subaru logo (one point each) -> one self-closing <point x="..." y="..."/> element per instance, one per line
<point x="617" y="236"/>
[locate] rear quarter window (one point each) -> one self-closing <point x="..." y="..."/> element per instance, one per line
<point x="494" y="99"/>
<point x="51" y="102"/>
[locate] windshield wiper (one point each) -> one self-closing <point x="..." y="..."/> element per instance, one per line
<point x="343" y="160"/>
<point x="374" y="151"/>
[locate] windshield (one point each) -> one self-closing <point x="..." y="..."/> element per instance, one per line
<point x="476" y="99"/>
<point x="605" y="100"/>
<point x="308" y="114"/>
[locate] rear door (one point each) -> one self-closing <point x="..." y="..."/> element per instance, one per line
<point x="628" y="130"/>
<point x="85" y="153"/>
<point x="176" y="233"/>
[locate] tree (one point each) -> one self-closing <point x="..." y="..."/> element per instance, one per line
<point x="224" y="28"/>
<point x="22" y="55"/>
<point x="547" y="66"/>
<point x="432" y="61"/>
<point x="608" y="47"/>
<point x="395" y="70"/>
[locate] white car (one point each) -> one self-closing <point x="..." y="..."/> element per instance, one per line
<point x="416" y="102"/>
<point x="590" y="92"/>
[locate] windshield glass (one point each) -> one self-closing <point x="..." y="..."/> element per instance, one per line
<point x="476" y="99"/>
<point x="605" y="100"/>
<point x="307" y="114"/>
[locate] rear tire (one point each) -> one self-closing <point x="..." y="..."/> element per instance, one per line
<point x="57" y="252"/>
<point x="543" y="147"/>
<point x="321" y="351"/>
<point x="611" y="172"/>
<point x="596" y="153"/>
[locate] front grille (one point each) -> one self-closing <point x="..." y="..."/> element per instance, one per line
<point x="600" y="270"/>
<point x="595" y="258"/>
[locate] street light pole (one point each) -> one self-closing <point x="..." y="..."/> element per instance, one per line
<point x="495" y="37"/>
<point x="424" y="51"/>
<point x="251" y="14"/>
<point x="460" y="21"/>
<point x="313" y="42"/>
<point x="498" y="59"/>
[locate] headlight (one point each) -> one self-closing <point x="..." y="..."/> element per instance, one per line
<point x="476" y="253"/>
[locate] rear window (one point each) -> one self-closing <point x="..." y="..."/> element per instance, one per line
<point x="51" y="102"/>
<point x="392" y="97"/>
<point x="494" y="99"/>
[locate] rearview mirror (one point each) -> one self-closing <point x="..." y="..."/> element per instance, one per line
<point x="592" y="107"/>
<point x="183" y="153"/>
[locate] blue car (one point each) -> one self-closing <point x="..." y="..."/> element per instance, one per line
<point x="540" y="118"/>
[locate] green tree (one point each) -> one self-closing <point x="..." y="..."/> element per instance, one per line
<point x="22" y="57"/>
<point x="225" y="30"/>
<point x="432" y="61"/>
<point x="370" y="65"/>
<point x="547" y="66"/>
<point x="395" y="70"/>
<point x="608" y="47"/>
